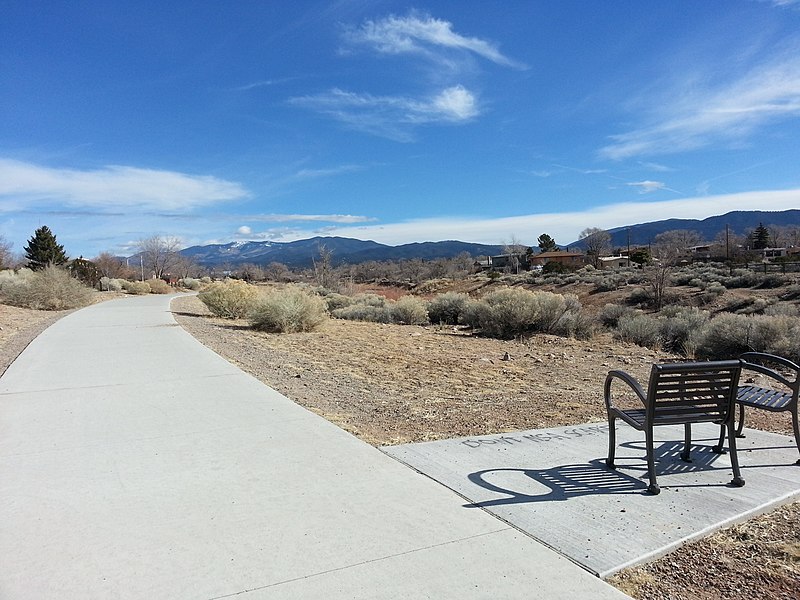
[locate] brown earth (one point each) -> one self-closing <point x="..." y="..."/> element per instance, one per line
<point x="392" y="384"/>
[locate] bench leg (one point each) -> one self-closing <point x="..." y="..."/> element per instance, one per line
<point x="739" y="433"/>
<point x="651" y="466"/>
<point x="738" y="481"/>
<point x="612" y="441"/>
<point x="720" y="448"/>
<point x="687" y="443"/>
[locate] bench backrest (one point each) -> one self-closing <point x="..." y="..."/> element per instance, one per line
<point x="692" y="392"/>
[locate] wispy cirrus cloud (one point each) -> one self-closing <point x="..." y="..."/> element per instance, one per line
<point x="329" y="172"/>
<point x="392" y="116"/>
<point x="283" y="218"/>
<point x="423" y="35"/>
<point x="648" y="187"/>
<point x="111" y="187"/>
<point x="767" y="93"/>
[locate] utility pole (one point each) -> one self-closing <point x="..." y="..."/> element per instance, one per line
<point x="727" y="243"/>
<point x="141" y="263"/>
<point x="629" y="246"/>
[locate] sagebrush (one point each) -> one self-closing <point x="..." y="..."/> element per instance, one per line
<point x="51" y="288"/>
<point x="229" y="299"/>
<point x="288" y="310"/>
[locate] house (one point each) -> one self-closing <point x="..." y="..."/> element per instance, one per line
<point x="573" y="260"/>
<point x="767" y="254"/>
<point x="613" y="262"/>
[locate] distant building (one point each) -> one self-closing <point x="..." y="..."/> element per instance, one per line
<point x="613" y="262"/>
<point x="568" y="259"/>
<point x="767" y="254"/>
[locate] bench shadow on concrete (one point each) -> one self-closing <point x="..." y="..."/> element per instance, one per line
<point x="595" y="478"/>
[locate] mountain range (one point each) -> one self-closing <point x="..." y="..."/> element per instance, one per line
<point x="302" y="253"/>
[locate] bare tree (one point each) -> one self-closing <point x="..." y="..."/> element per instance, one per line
<point x="159" y="254"/>
<point x="323" y="267"/>
<point x="111" y="266"/>
<point x="515" y="250"/>
<point x="6" y="256"/>
<point x="184" y="267"/>
<point x="597" y="242"/>
<point x="670" y="246"/>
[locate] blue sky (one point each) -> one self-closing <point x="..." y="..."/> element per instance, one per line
<point x="392" y="121"/>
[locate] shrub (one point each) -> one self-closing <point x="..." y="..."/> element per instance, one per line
<point x="409" y="310"/>
<point x="639" y="329"/>
<point x="606" y="284"/>
<point x="369" y="300"/>
<point x="363" y="312"/>
<point x="335" y="301"/>
<point x="205" y="280"/>
<point x="447" y="308"/>
<point x="640" y="296"/>
<point x="158" y="286"/>
<point x="509" y="313"/>
<point x="136" y="287"/>
<point x="190" y="283"/>
<point x="51" y="288"/>
<point x="610" y="314"/>
<point x="782" y="310"/>
<point x="289" y="310"/>
<point x="111" y="285"/>
<point x="229" y="299"/>
<point x="682" y="329"/>
<point x="726" y="336"/>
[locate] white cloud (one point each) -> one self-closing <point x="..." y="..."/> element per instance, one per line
<point x="422" y="34"/>
<point x="767" y="93"/>
<point x="392" y="116"/>
<point x="318" y="173"/>
<point x="564" y="227"/>
<point x="112" y="187"/>
<point x="647" y="187"/>
<point x="285" y="218"/>
<point x="244" y="230"/>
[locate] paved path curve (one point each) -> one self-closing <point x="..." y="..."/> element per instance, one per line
<point x="136" y="463"/>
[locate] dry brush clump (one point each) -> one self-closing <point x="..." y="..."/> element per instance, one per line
<point x="51" y="288"/>
<point x="447" y="308"/>
<point x="694" y="333"/>
<point x="230" y="299"/>
<point x="138" y="288"/>
<point x="288" y="310"/>
<point x="159" y="286"/>
<point x="409" y="310"/>
<point x="510" y="313"/>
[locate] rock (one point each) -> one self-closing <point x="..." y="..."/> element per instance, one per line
<point x="506" y="356"/>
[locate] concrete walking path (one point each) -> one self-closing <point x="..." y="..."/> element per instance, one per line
<point x="136" y="463"/>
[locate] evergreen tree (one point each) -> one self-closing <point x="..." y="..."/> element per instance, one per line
<point x="43" y="250"/>
<point x="759" y="238"/>
<point x="546" y="243"/>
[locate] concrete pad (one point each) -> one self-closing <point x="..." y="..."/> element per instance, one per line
<point x="553" y="484"/>
<point x="136" y="463"/>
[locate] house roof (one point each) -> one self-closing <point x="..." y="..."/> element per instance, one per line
<point x="556" y="254"/>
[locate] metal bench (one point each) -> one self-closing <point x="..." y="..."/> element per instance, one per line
<point x="679" y="394"/>
<point x="779" y="398"/>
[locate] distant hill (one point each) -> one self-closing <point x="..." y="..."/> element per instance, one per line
<point x="740" y="222"/>
<point x="301" y="253"/>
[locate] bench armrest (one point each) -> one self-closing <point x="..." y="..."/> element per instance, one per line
<point x="752" y="361"/>
<point x="628" y="379"/>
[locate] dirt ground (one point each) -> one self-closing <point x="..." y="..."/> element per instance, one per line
<point x="393" y="384"/>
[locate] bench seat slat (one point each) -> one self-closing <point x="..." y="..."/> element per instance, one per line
<point x="765" y="398"/>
